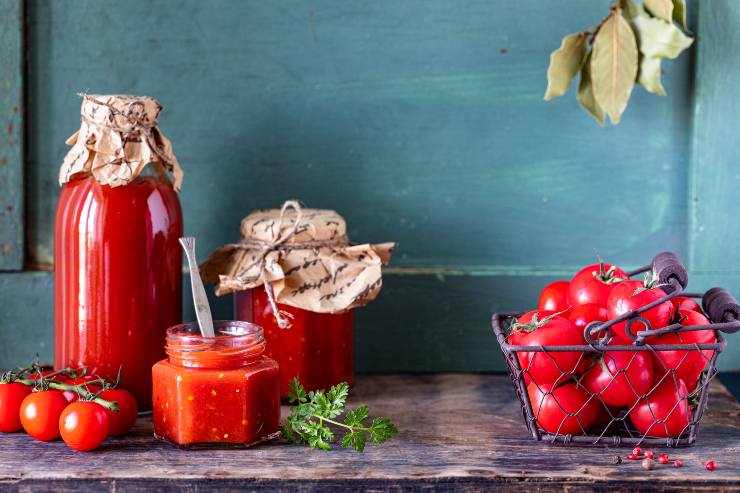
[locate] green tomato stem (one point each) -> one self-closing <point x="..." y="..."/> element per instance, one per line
<point x="79" y="389"/>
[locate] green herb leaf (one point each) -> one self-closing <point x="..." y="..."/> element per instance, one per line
<point x="660" y="39"/>
<point x="382" y="429"/>
<point x="310" y="421"/>
<point x="565" y="62"/>
<point x="354" y="439"/>
<point x="660" y="8"/>
<point x="614" y="65"/>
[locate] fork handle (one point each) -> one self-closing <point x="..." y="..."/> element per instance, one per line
<point x="200" y="299"/>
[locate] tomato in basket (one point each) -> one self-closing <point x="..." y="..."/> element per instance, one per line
<point x="664" y="412"/>
<point x="620" y="378"/>
<point x="566" y="409"/>
<point x="532" y="329"/>
<point x="593" y="283"/>
<point x="633" y="295"/>
<point x="555" y="297"/>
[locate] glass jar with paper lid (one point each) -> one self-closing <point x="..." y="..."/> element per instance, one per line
<point x="296" y="274"/>
<point x="117" y="261"/>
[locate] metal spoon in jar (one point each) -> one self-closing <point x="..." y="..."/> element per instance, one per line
<point x="200" y="300"/>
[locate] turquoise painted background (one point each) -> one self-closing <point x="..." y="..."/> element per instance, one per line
<point x="421" y="122"/>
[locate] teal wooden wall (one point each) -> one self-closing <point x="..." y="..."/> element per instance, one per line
<point x="420" y="121"/>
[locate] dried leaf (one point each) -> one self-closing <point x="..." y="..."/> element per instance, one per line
<point x="614" y="65"/>
<point x="631" y="9"/>
<point x="679" y="12"/>
<point x="564" y="64"/>
<point x="649" y="77"/>
<point x="660" y="8"/>
<point x="660" y="39"/>
<point x="585" y="94"/>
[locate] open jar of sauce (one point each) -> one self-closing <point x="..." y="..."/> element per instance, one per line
<point x="296" y="274"/>
<point x="216" y="391"/>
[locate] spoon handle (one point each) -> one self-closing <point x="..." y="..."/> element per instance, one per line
<point x="200" y="300"/>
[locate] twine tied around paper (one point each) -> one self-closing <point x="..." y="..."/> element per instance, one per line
<point x="282" y="317"/>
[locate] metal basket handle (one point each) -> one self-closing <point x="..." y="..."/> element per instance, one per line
<point x="668" y="266"/>
<point x="721" y="307"/>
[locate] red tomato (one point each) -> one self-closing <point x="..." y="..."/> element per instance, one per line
<point x="593" y="284"/>
<point x="685" y="303"/>
<point x="667" y="404"/>
<point x="622" y="377"/>
<point x="551" y="409"/>
<point x="40" y="413"/>
<point x="625" y="298"/>
<point x="555" y="297"/>
<point x="11" y="397"/>
<point x="122" y="421"/>
<point x="515" y="335"/>
<point x="549" y="368"/>
<point x="584" y="314"/>
<point x="688" y="364"/>
<point x="83" y="425"/>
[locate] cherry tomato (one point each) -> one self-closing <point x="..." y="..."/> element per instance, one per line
<point x="685" y="303"/>
<point x="83" y="425"/>
<point x="666" y="403"/>
<point x="551" y="409"/>
<point x="40" y="413"/>
<point x="584" y="314"/>
<point x="11" y="397"/>
<point x="593" y="283"/>
<point x="549" y="367"/>
<point x="622" y="377"/>
<point x="120" y="422"/>
<point x="555" y="297"/>
<point x="688" y="364"/>
<point x="627" y="296"/>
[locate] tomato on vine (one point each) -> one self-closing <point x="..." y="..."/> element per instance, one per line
<point x="593" y="283"/>
<point x="83" y="425"/>
<point x="554" y="297"/>
<point x="121" y="421"/>
<point x="40" y="413"/>
<point x="11" y="398"/>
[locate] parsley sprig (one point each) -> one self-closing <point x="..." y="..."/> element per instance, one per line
<point x="313" y="413"/>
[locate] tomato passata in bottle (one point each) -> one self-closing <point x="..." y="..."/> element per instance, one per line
<point x="117" y="261"/>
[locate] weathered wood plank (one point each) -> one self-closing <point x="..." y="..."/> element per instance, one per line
<point x="11" y="135"/>
<point x="714" y="176"/>
<point x="420" y="121"/>
<point x="419" y="323"/>
<point x="457" y="431"/>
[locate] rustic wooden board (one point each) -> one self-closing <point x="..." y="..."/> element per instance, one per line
<point x="419" y="323"/>
<point x="11" y="135"/>
<point x="421" y="121"/>
<point x="458" y="431"/>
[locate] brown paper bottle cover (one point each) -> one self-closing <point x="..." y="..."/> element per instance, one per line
<point x="118" y="137"/>
<point x="303" y="256"/>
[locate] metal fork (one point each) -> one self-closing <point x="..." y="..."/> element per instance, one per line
<point x="200" y="300"/>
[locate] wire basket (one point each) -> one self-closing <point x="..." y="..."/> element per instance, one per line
<point x="668" y="410"/>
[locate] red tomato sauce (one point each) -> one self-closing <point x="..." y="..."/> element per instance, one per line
<point x="117" y="278"/>
<point x="225" y="393"/>
<point x="317" y="348"/>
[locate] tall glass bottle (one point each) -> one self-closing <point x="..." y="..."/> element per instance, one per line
<point x="117" y="261"/>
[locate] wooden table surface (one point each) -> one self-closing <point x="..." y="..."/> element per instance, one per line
<point x="459" y="431"/>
